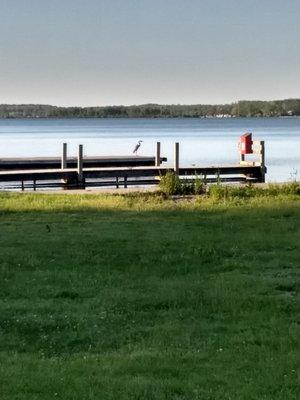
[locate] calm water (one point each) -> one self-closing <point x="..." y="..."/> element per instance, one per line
<point x="202" y="141"/>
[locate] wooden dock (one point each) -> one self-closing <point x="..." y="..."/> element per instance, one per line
<point x="116" y="171"/>
<point x="116" y="176"/>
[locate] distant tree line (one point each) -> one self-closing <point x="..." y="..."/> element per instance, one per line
<point x="245" y="108"/>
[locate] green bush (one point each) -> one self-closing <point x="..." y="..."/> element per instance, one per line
<point x="186" y="187"/>
<point x="170" y="184"/>
<point x="199" y="186"/>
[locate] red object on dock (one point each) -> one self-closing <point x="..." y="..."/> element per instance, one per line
<point x="245" y="144"/>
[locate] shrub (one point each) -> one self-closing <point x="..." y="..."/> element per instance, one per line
<point x="170" y="184"/>
<point x="199" y="186"/>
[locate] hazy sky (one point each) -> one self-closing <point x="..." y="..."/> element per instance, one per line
<point x="98" y="52"/>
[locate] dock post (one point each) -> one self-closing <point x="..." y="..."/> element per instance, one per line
<point x="64" y="164"/>
<point x="157" y="155"/>
<point x="176" y="158"/>
<point x="64" y="157"/>
<point x="262" y="160"/>
<point x="80" y="166"/>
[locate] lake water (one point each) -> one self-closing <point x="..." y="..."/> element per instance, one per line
<point x="202" y="141"/>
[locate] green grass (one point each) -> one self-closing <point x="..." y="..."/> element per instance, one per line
<point x="142" y="297"/>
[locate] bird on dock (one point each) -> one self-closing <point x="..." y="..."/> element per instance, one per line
<point x="137" y="146"/>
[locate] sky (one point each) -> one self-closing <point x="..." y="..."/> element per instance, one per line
<point x="105" y="52"/>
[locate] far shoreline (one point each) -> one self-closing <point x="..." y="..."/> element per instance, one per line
<point x="238" y="109"/>
<point x="154" y="118"/>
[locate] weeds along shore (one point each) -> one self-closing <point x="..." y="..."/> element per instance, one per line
<point x="172" y="193"/>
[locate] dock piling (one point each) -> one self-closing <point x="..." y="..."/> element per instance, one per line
<point x="64" y="157"/>
<point x="157" y="155"/>
<point x="176" y="158"/>
<point x="80" y="165"/>
<point x="262" y="160"/>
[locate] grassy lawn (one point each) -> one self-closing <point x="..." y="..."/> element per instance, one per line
<point x="113" y="297"/>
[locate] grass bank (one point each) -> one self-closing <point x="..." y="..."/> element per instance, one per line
<point x="143" y="297"/>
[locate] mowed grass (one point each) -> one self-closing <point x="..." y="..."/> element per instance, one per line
<point x="138" y="297"/>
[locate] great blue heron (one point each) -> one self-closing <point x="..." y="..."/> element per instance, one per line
<point x="137" y="146"/>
